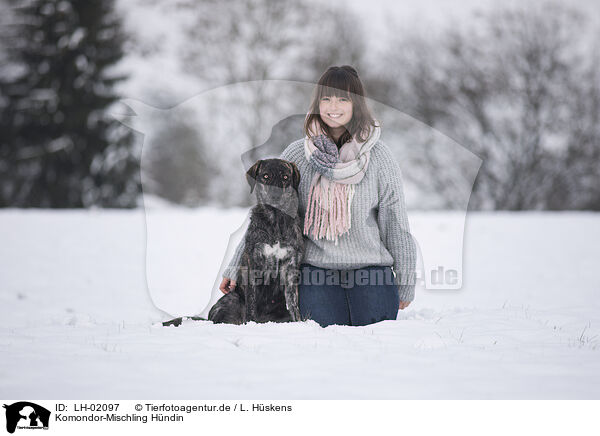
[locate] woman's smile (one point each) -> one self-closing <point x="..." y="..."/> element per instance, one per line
<point x="335" y="111"/>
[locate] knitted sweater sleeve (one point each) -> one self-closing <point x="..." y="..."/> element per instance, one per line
<point x="393" y="223"/>
<point x="232" y="269"/>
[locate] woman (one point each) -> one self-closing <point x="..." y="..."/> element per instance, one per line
<point x="352" y="202"/>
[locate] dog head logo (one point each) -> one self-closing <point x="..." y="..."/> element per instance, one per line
<point x="26" y="415"/>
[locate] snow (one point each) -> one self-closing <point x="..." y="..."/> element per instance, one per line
<point x="78" y="321"/>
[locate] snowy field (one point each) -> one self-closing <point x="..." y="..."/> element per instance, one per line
<point x="78" y="321"/>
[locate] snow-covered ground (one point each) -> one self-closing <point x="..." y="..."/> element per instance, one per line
<point x="78" y="321"/>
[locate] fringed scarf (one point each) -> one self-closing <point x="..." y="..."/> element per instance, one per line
<point x="332" y="188"/>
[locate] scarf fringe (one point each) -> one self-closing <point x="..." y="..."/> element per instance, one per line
<point x="329" y="211"/>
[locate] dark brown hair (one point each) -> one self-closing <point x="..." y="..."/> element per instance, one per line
<point x="341" y="82"/>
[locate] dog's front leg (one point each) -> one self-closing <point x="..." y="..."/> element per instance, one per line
<point x="250" y="303"/>
<point x="255" y="278"/>
<point x="291" y="294"/>
<point x="291" y="289"/>
<point x="291" y="302"/>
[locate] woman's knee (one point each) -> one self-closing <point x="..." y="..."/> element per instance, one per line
<point x="324" y="304"/>
<point x="373" y="302"/>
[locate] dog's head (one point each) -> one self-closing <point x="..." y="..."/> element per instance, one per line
<point x="276" y="182"/>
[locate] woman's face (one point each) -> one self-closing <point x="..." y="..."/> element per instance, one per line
<point x="335" y="111"/>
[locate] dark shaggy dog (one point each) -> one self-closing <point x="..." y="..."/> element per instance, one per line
<point x="267" y="283"/>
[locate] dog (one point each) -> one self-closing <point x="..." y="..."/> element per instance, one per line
<point x="267" y="283"/>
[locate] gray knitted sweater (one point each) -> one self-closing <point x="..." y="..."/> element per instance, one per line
<point x="379" y="233"/>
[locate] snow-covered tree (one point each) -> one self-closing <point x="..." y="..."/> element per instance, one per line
<point x="58" y="146"/>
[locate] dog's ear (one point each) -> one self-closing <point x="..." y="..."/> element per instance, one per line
<point x="251" y="175"/>
<point x="295" y="175"/>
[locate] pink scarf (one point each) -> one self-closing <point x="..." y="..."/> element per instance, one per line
<point x="328" y="211"/>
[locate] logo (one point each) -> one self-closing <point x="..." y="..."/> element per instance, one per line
<point x="26" y="415"/>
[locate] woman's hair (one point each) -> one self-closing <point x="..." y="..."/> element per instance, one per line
<point x="341" y="81"/>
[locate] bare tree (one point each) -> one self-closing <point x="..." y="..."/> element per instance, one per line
<point x="259" y="40"/>
<point x="504" y="87"/>
<point x="577" y="169"/>
<point x="177" y="166"/>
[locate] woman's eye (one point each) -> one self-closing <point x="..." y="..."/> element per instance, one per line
<point x="341" y="98"/>
<point x="265" y="176"/>
<point x="285" y="177"/>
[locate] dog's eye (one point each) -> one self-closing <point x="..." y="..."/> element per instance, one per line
<point x="285" y="177"/>
<point x="265" y="176"/>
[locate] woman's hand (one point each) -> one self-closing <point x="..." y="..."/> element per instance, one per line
<point x="403" y="305"/>
<point x="227" y="285"/>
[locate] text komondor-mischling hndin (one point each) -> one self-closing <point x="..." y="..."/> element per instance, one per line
<point x="113" y="417"/>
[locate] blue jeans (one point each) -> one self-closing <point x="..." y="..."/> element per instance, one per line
<point x="344" y="296"/>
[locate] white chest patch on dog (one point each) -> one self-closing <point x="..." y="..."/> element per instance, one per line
<point x="276" y="251"/>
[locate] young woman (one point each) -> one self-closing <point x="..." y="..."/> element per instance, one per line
<point x="352" y="202"/>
